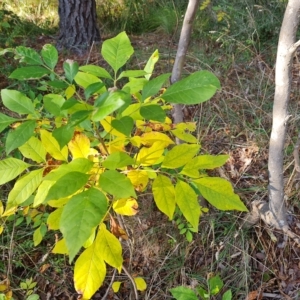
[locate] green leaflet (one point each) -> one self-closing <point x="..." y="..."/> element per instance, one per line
<point x="19" y="136"/>
<point x="24" y="187"/>
<point x="10" y="168"/>
<point x="219" y="193"/>
<point x="187" y="202"/>
<point x="180" y="155"/>
<point x="116" y="184"/>
<point x="80" y="215"/>
<point x="117" y="51"/>
<point x="67" y="185"/>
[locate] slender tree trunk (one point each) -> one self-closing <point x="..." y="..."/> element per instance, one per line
<point x="183" y="44"/>
<point x="274" y="212"/>
<point x="77" y="25"/>
<point x="283" y="80"/>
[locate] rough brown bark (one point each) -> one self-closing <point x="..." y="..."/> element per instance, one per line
<point x="77" y="25"/>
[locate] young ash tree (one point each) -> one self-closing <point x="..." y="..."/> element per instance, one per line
<point x="274" y="212"/>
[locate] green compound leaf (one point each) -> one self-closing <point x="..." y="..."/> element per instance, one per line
<point x="183" y="293"/>
<point x="6" y="121"/>
<point x="26" y="73"/>
<point x="194" y="89"/>
<point x="164" y="195"/>
<point x="116" y="184"/>
<point x="10" y="168"/>
<point x="24" y="187"/>
<point x="180" y="155"/>
<point x="67" y="185"/>
<point x="153" y="112"/>
<point x="118" y="160"/>
<point x="187" y="202"/>
<point x="117" y="51"/>
<point x="17" y="102"/>
<point x="50" y="56"/>
<point x="80" y="215"/>
<point x="219" y="193"/>
<point x="19" y="136"/>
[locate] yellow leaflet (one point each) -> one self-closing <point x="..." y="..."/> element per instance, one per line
<point x="91" y="239"/>
<point x="42" y="192"/>
<point x="126" y="207"/>
<point x="52" y="147"/>
<point x="190" y="126"/>
<point x="89" y="271"/>
<point x="109" y="247"/>
<point x="54" y="219"/>
<point x="150" y="156"/>
<point x="141" y="125"/>
<point x="70" y="91"/>
<point x="139" y="179"/>
<point x="117" y="145"/>
<point x="106" y="123"/>
<point x="116" y="286"/>
<point x="60" y="247"/>
<point x="141" y="284"/>
<point x="136" y="141"/>
<point x="151" y="63"/>
<point x="79" y="146"/>
<point x="1" y="229"/>
<point x="59" y="203"/>
<point x="184" y="136"/>
<point x="149" y="138"/>
<point x="33" y="149"/>
<point x="95" y="171"/>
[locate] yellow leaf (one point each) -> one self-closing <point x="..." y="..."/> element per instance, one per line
<point x="42" y="192"/>
<point x="109" y="247"/>
<point x="190" y="126"/>
<point x="1" y="229"/>
<point x="150" y="156"/>
<point x="116" y="286"/>
<point x="58" y="203"/>
<point x="89" y="271"/>
<point x="139" y="179"/>
<point x="52" y="147"/>
<point x="184" y="136"/>
<point x="54" y="219"/>
<point x="106" y="123"/>
<point x="60" y="247"/>
<point x="141" y="284"/>
<point x="117" y="145"/>
<point x="141" y="125"/>
<point x="91" y="239"/>
<point x="136" y="141"/>
<point x="70" y="91"/>
<point x="33" y="149"/>
<point x="149" y="138"/>
<point x="79" y="146"/>
<point x="126" y="207"/>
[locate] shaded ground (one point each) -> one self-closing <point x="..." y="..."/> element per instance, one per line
<point x="236" y="121"/>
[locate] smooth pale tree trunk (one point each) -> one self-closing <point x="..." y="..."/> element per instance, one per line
<point x="274" y="212"/>
<point x="77" y="25"/>
<point x="183" y="44"/>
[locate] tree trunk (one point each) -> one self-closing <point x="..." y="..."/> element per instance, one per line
<point x="183" y="44"/>
<point x="274" y="212"/>
<point x="77" y="25"/>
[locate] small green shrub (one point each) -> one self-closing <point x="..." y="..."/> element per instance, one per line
<point x="82" y="147"/>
